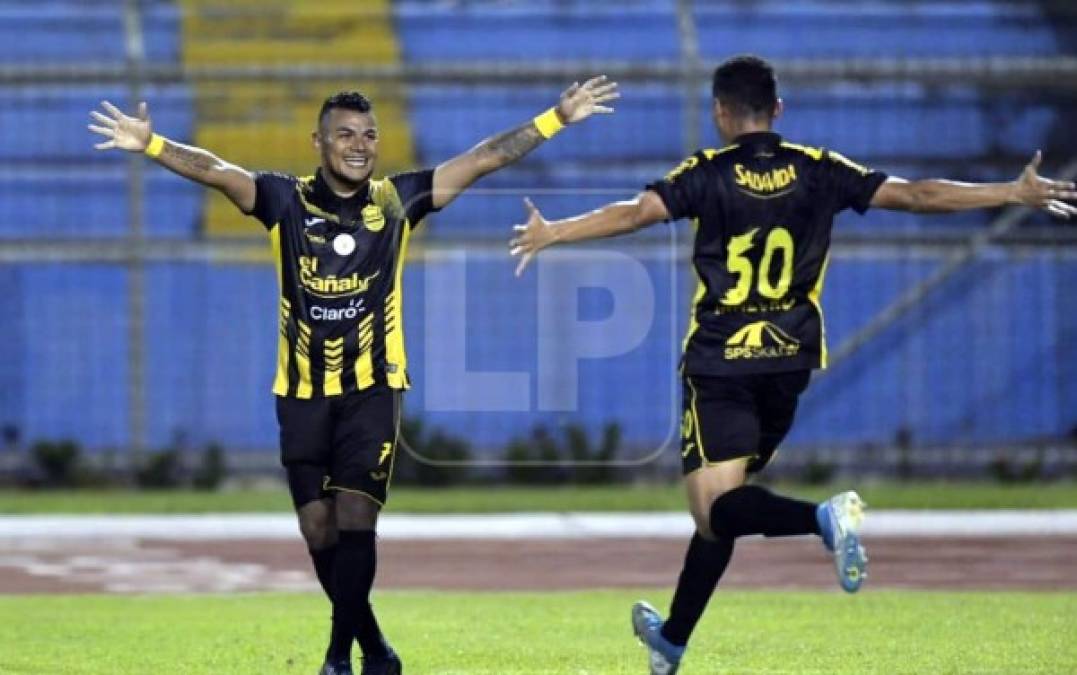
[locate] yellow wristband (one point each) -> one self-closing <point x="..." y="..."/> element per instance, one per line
<point x="548" y="123"/>
<point x="155" y="146"/>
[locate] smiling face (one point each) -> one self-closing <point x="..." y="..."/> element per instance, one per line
<point x="347" y="141"/>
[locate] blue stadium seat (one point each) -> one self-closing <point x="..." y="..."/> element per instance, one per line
<point x="634" y="389"/>
<point x="815" y="28"/>
<point x="927" y="374"/>
<point x="910" y="123"/>
<point x="536" y="31"/>
<point x="94" y="203"/>
<point x="60" y="184"/>
<point x="70" y="324"/>
<point x="210" y="339"/>
<point x="211" y="351"/>
<point x="65" y="112"/>
<point x="448" y="120"/>
<point x="61" y="32"/>
<point x="204" y="376"/>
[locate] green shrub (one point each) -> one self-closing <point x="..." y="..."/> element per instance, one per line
<point x="435" y="458"/>
<point x="58" y="464"/>
<point x="544" y="459"/>
<point x="818" y="472"/>
<point x="535" y="460"/>
<point x="212" y="471"/>
<point x="1005" y="470"/>
<point x="159" y="470"/>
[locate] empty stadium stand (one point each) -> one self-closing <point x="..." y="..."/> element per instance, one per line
<point x="986" y="343"/>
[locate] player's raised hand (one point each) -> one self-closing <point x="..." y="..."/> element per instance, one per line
<point x="120" y="130"/>
<point x="1043" y="193"/>
<point x="579" y="102"/>
<point x="531" y="237"/>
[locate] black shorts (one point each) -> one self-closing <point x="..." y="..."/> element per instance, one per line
<point x="737" y="416"/>
<point x="339" y="443"/>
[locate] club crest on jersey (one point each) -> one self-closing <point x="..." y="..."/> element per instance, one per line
<point x="373" y="218"/>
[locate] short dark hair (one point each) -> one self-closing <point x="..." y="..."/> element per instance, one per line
<point x="747" y="85"/>
<point x="348" y="100"/>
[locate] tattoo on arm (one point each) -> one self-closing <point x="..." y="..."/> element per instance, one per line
<point x="189" y="160"/>
<point x="206" y="168"/>
<point x="509" y="146"/>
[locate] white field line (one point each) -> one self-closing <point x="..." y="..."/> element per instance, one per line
<point x="999" y="523"/>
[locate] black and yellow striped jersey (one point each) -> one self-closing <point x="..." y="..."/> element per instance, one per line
<point x="763" y="210"/>
<point x="339" y="264"/>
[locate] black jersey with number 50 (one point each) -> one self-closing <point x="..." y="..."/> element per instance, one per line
<point x="763" y="210"/>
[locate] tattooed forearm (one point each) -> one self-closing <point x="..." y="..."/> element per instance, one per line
<point x="188" y="161"/>
<point x="206" y="168"/>
<point x="509" y="146"/>
<point x="454" y="176"/>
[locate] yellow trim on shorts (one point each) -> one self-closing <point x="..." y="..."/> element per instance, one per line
<point x="392" y="460"/>
<point x="814" y="298"/>
<point x="708" y="464"/>
<point x="695" y="421"/>
<point x="398" y="404"/>
<point x="354" y="492"/>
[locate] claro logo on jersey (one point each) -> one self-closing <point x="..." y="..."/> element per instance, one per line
<point x="330" y="286"/>
<point x="349" y="313"/>
<point x="766" y="183"/>
<point x="760" y="340"/>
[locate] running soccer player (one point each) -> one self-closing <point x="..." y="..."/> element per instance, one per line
<point x="763" y="209"/>
<point x="339" y="239"/>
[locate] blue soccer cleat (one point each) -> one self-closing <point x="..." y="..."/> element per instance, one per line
<point x="839" y="521"/>
<point x="665" y="657"/>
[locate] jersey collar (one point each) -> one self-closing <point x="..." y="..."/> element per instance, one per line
<point x="759" y="140"/>
<point x="325" y="196"/>
<point x="347" y="208"/>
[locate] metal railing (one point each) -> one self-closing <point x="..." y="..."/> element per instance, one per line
<point x="1033" y="73"/>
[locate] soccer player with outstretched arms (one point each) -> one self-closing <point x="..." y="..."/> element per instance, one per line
<point x="763" y="209"/>
<point x="339" y="238"/>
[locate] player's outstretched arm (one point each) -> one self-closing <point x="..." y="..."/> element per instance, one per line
<point x="941" y="196"/>
<point x="644" y="209"/>
<point x="577" y="103"/>
<point x="135" y="134"/>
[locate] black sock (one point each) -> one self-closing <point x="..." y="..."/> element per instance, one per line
<point x="703" y="567"/>
<point x="353" y="576"/>
<point x="339" y="638"/>
<point x="751" y="509"/>
<point x="323" y="567"/>
<point x="367" y="632"/>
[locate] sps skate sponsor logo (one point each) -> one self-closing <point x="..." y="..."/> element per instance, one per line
<point x="760" y="340"/>
<point x="688" y="433"/>
<point x="350" y="313"/>
<point x="331" y="286"/>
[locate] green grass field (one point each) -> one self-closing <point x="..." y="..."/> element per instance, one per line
<point x="490" y="499"/>
<point x="570" y="633"/>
